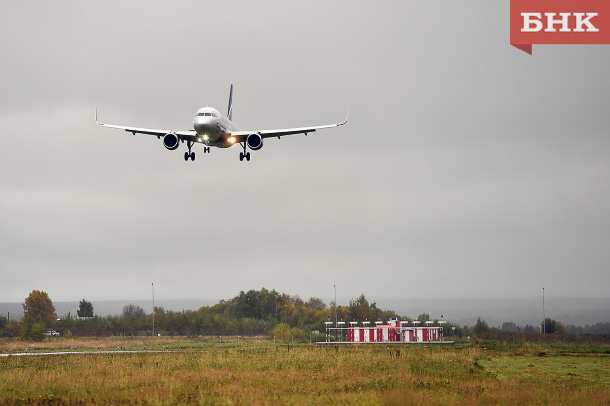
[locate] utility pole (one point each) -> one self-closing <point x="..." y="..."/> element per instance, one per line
<point x="543" y="314"/>
<point x="335" y="286"/>
<point x="153" y="294"/>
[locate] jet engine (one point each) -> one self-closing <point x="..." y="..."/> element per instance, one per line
<point x="255" y="141"/>
<point x="171" y="141"/>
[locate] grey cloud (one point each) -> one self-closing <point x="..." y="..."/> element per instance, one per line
<point x="467" y="165"/>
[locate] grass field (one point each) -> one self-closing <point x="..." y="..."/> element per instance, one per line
<point x="199" y="372"/>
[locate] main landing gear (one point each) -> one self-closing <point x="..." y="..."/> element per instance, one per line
<point x="189" y="154"/>
<point x="244" y="154"/>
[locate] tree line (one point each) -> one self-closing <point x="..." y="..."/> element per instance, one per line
<point x="251" y="313"/>
<point x="255" y="312"/>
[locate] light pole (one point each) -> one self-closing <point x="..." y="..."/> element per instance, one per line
<point x="543" y="314"/>
<point x="153" y="294"/>
<point x="335" y="286"/>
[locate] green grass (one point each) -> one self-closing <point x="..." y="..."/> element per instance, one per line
<point x="575" y="369"/>
<point x="204" y="372"/>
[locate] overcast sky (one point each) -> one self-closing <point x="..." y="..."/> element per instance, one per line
<point x="468" y="168"/>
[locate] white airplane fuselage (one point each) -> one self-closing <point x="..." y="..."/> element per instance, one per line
<point x="213" y="128"/>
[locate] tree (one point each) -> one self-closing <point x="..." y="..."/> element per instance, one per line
<point x="510" y="326"/>
<point x="480" y="328"/>
<point x="560" y="328"/>
<point x="85" y="309"/>
<point x="132" y="311"/>
<point x="282" y="332"/>
<point x="315" y="303"/>
<point x="549" y="326"/>
<point x="269" y="304"/>
<point x="297" y="301"/>
<point x="246" y="304"/>
<point x="39" y="307"/>
<point x="360" y="309"/>
<point x="424" y="317"/>
<point x="528" y="328"/>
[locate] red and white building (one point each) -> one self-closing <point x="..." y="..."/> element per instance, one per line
<point x="393" y="331"/>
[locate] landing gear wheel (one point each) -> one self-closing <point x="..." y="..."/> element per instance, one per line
<point x="244" y="154"/>
<point x="189" y="155"/>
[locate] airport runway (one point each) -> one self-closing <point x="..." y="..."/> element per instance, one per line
<point x="27" y="354"/>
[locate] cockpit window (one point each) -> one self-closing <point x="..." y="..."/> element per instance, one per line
<point x="207" y="114"/>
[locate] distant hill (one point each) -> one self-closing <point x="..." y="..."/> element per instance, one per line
<point x="578" y="311"/>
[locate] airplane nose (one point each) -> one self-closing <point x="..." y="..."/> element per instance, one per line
<point x="201" y="125"/>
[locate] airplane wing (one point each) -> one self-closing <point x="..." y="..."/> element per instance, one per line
<point x="241" y="135"/>
<point x="184" y="135"/>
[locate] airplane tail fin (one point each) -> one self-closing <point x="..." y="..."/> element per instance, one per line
<point x="230" y="111"/>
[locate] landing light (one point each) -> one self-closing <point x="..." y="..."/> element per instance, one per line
<point x="232" y="140"/>
<point x="205" y="137"/>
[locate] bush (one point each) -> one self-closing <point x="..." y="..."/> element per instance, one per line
<point x="32" y="332"/>
<point x="299" y="335"/>
<point x="282" y="332"/>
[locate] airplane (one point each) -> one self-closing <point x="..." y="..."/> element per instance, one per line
<point x="213" y="130"/>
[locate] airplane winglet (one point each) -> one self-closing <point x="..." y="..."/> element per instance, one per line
<point x="96" y="118"/>
<point x="346" y="117"/>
